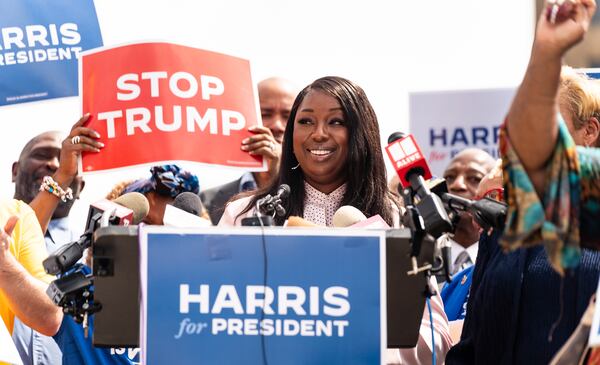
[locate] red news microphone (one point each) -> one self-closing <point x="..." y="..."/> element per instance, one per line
<point x="412" y="169"/>
<point x="405" y="154"/>
<point x="105" y="212"/>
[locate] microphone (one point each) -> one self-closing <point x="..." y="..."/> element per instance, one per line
<point x="136" y="202"/>
<point x="267" y="207"/>
<point x="412" y="169"/>
<point x="189" y="202"/>
<point x="185" y="212"/>
<point x="347" y="215"/>
<point x="488" y="213"/>
<point x="269" y="204"/>
<point x="406" y="157"/>
<point x="130" y="208"/>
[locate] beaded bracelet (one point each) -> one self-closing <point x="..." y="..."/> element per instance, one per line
<point x="51" y="186"/>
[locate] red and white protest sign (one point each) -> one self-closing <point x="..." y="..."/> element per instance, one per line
<point x="158" y="102"/>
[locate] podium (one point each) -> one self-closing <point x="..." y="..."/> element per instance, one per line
<point x="356" y="258"/>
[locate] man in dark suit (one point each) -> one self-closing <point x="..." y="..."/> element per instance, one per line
<point x="276" y="96"/>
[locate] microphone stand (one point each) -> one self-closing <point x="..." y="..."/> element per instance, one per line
<point x="258" y="220"/>
<point x="413" y="220"/>
<point x="265" y="206"/>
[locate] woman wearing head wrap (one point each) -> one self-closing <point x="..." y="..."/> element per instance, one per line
<point x="165" y="183"/>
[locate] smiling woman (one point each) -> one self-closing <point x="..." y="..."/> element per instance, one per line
<point x="320" y="141"/>
<point x="331" y="157"/>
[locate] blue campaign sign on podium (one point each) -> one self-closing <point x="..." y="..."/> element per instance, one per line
<point x="290" y="296"/>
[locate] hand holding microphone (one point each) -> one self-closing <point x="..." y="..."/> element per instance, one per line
<point x="267" y="207"/>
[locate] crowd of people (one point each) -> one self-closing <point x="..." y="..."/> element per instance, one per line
<point x="521" y="293"/>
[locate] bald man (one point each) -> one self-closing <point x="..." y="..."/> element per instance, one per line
<point x="463" y="175"/>
<point x="39" y="158"/>
<point x="276" y="96"/>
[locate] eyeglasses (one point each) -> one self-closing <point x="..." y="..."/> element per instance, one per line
<point x="496" y="194"/>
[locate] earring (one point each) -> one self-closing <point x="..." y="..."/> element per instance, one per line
<point x="295" y="167"/>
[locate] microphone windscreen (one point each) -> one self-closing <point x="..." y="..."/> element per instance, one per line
<point x="136" y="202"/>
<point x="284" y="191"/>
<point x="189" y="202"/>
<point x="395" y="136"/>
<point x="347" y="215"/>
<point x="294" y="221"/>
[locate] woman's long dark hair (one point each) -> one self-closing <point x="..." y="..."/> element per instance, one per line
<point x="366" y="187"/>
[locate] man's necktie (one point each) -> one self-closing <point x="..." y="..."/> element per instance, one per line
<point x="462" y="261"/>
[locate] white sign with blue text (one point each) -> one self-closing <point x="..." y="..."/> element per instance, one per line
<point x="285" y="296"/>
<point x="592" y="73"/>
<point x="40" y="42"/>
<point x="446" y="122"/>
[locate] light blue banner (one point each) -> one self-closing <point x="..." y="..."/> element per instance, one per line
<point x="204" y="294"/>
<point x="40" y="41"/>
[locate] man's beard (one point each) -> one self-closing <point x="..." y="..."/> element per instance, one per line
<point x="28" y="188"/>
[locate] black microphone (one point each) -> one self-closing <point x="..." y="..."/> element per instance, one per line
<point x="189" y="202"/>
<point x="488" y="213"/>
<point x="395" y="136"/>
<point x="130" y="208"/>
<point x="269" y="204"/>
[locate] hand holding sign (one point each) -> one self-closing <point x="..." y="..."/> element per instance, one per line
<point x="263" y="144"/>
<point x="79" y="139"/>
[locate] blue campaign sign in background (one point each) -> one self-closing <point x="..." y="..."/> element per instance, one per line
<point x="593" y="73"/>
<point x="40" y="41"/>
<point x="326" y="303"/>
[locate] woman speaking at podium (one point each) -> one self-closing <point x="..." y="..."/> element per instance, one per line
<point x="332" y="156"/>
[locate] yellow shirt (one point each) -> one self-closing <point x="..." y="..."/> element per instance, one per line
<point x="28" y="248"/>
